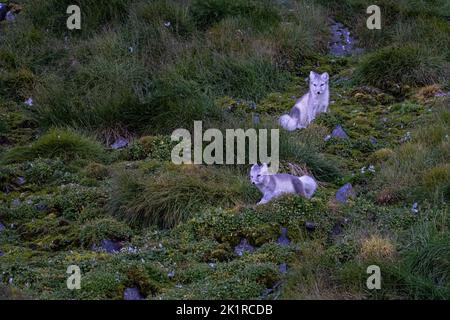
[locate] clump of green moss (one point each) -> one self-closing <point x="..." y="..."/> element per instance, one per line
<point x="97" y="171"/>
<point x="93" y="232"/>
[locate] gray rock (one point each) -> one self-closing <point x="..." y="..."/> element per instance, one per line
<point x="337" y="229"/>
<point x="373" y="140"/>
<point x="283" y="268"/>
<point x="10" y="17"/>
<point x="132" y="294"/>
<point x="2" y="227"/>
<point x="342" y="43"/>
<point x="15" y="203"/>
<point x="108" y="246"/>
<point x="283" y="240"/>
<point x="256" y="119"/>
<point x="20" y="181"/>
<point x="3" y="11"/>
<point x="41" y="207"/>
<point x="345" y="192"/>
<point x="310" y="226"/>
<point x="242" y="247"/>
<point x="442" y="94"/>
<point x="120" y="143"/>
<point x="415" y="208"/>
<point x="339" y="132"/>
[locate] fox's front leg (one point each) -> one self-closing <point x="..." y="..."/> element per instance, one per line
<point x="265" y="199"/>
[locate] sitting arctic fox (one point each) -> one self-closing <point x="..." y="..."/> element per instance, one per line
<point x="275" y="185"/>
<point x="310" y="105"/>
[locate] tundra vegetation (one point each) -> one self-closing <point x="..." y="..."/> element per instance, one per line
<point x="139" y="69"/>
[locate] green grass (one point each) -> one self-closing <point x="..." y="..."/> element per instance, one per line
<point x="140" y="69"/>
<point x="399" y="66"/>
<point x="173" y="196"/>
<point x="57" y="143"/>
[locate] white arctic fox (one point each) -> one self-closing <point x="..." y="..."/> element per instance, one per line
<point x="310" y="105"/>
<point x="274" y="185"/>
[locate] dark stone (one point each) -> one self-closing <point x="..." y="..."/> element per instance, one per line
<point x="283" y="240"/>
<point x="41" y="207"/>
<point x="3" y="11"/>
<point x="20" y="181"/>
<point x="342" y="43"/>
<point x="108" y="246"/>
<point x="415" y="208"/>
<point x="242" y="247"/>
<point x="132" y="294"/>
<point x="120" y="143"/>
<point x="16" y="202"/>
<point x="310" y="226"/>
<point x="344" y="193"/>
<point x="256" y="119"/>
<point x="339" y="132"/>
<point x="337" y="229"/>
<point x="10" y="16"/>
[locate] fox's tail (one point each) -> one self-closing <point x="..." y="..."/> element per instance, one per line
<point x="309" y="185"/>
<point x="288" y="123"/>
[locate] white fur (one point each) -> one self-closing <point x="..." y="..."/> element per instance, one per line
<point x="310" y="105"/>
<point x="275" y="185"/>
<point x="288" y="123"/>
<point x="309" y="184"/>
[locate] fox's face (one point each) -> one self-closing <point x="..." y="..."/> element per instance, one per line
<point x="257" y="173"/>
<point x="318" y="83"/>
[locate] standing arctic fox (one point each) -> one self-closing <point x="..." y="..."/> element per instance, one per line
<point x="310" y="105"/>
<point x="275" y="185"/>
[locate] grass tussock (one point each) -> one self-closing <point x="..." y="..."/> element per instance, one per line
<point x="419" y="169"/>
<point x="399" y="66"/>
<point x="57" y="143"/>
<point x="173" y="196"/>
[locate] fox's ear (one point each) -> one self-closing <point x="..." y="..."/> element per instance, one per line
<point x="325" y="76"/>
<point x="255" y="167"/>
<point x="312" y="74"/>
<point x="264" y="167"/>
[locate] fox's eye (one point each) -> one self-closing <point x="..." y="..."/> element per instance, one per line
<point x="258" y="176"/>
<point x="322" y="84"/>
<point x="315" y="85"/>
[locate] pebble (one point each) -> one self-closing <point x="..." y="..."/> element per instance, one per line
<point x="344" y="193"/>
<point x="310" y="226"/>
<point x="120" y="143"/>
<point x="415" y="208"/>
<point x="132" y="294"/>
<point x="339" y="132"/>
<point x="283" y="240"/>
<point x="108" y="246"/>
<point x="242" y="247"/>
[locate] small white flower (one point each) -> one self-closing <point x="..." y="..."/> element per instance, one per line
<point x="167" y="24"/>
<point x="29" y="102"/>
